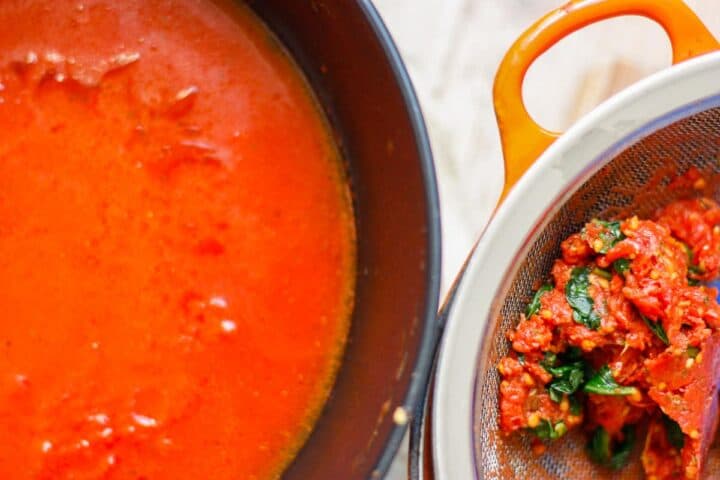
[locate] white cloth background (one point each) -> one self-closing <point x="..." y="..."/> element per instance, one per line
<point x="452" y="49"/>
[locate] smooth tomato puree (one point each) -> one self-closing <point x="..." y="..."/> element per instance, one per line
<point x="176" y="244"/>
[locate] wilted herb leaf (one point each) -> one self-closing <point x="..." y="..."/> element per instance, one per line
<point x="547" y="431"/>
<point x="567" y="380"/>
<point x="657" y="329"/>
<point x="576" y="292"/>
<point x="603" y="383"/>
<point x="534" y="306"/>
<point x="575" y="405"/>
<point x="622" y="266"/>
<point x="675" y="435"/>
<point x="568" y="371"/>
<point x="601" y="451"/>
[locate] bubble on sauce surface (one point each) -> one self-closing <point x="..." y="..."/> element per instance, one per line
<point x="200" y="307"/>
<point x="207" y="319"/>
<point x="218" y="301"/>
<point x="94" y="443"/>
<point x="100" y="418"/>
<point x="228" y="326"/>
<point x="144" y="420"/>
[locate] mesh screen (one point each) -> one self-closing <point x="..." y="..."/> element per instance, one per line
<point x="634" y="182"/>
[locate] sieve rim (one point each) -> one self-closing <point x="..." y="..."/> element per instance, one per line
<point x="640" y="110"/>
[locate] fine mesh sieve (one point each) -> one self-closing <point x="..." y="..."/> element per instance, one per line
<point x="634" y="182"/>
<point x="616" y="162"/>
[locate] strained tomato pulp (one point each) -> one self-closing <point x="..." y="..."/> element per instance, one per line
<point x="176" y="244"/>
<point x="626" y="333"/>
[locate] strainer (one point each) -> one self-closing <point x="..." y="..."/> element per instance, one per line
<point x="616" y="161"/>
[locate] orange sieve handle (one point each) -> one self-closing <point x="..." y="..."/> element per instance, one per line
<point x="523" y="140"/>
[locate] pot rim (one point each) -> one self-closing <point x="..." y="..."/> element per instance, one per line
<point x="638" y="111"/>
<point x="429" y="338"/>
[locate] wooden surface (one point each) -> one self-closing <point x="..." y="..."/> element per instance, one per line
<point x="452" y="49"/>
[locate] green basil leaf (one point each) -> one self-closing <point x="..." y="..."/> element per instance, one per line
<point x="560" y="371"/>
<point x="521" y="358"/>
<point x="599" y="447"/>
<point x="555" y="395"/>
<point x="575" y="405"/>
<point x="601" y="451"/>
<point x="547" y="431"/>
<point x="534" y="306"/>
<point x="567" y="378"/>
<point x="610" y="235"/>
<point x="657" y="329"/>
<point x="603" y="383"/>
<point x="675" y="435"/>
<point x="621" y="266"/>
<point x="576" y="293"/>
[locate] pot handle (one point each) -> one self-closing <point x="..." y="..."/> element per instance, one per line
<point x="523" y="140"/>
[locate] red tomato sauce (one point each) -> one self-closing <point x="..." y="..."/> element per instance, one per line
<point x="176" y="244"/>
<point x="625" y="333"/>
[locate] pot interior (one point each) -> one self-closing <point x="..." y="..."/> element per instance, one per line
<point x="355" y="72"/>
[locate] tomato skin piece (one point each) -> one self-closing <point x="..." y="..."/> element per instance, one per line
<point x="687" y="391"/>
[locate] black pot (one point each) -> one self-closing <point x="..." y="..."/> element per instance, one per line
<point x="356" y="72"/>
